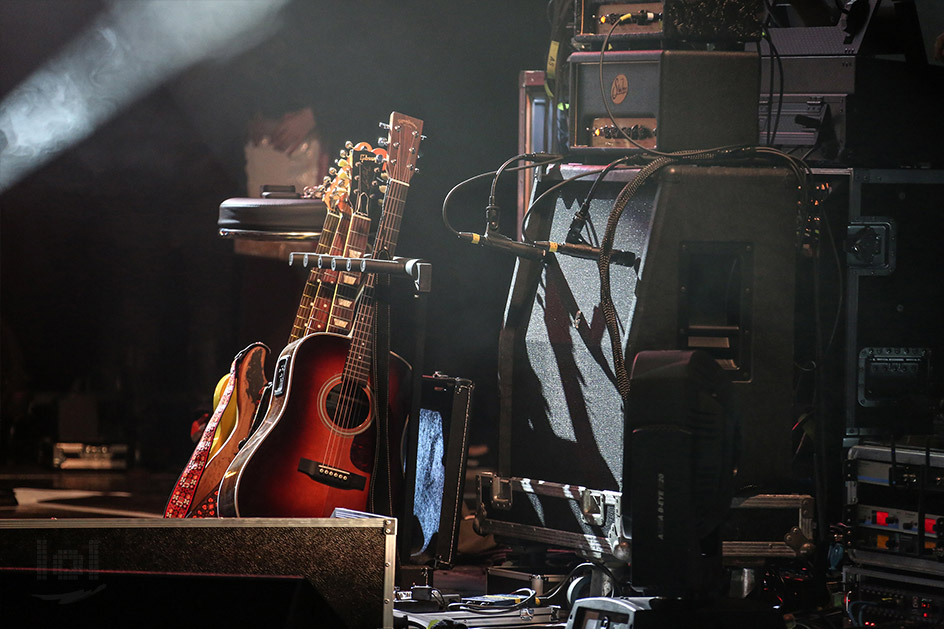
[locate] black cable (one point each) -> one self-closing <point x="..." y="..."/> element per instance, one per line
<point x="770" y="5"/>
<point x="492" y="209"/>
<point x="578" y="568"/>
<point x="526" y="156"/>
<point x="446" y="201"/>
<point x="606" y="250"/>
<point x="445" y="207"/>
<point x="537" y="201"/>
<point x="774" y="55"/>
<point x="583" y="213"/>
<point x="498" y="173"/>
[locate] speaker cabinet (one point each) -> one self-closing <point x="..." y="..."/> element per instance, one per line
<point x="157" y="572"/>
<point x="560" y="412"/>
<point x="717" y="273"/>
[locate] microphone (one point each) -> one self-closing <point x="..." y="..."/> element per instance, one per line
<point x="503" y="243"/>
<point x="622" y="258"/>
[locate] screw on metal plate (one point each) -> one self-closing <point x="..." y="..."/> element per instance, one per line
<point x="796" y="540"/>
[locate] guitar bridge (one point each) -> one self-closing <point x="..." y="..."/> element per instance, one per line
<point x="331" y="476"/>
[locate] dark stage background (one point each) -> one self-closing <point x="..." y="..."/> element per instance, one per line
<point x="116" y="287"/>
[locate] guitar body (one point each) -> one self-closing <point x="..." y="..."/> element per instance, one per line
<point x="315" y="448"/>
<point x="239" y="412"/>
<point x="227" y="421"/>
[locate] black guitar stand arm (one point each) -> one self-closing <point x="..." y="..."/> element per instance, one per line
<point x="420" y="271"/>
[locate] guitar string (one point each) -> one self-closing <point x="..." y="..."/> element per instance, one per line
<point x="354" y="231"/>
<point x="354" y="369"/>
<point x="359" y="355"/>
<point x="332" y="450"/>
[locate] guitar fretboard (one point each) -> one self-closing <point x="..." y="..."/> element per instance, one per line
<point x="360" y="356"/>
<point x="336" y="293"/>
<point x="309" y="300"/>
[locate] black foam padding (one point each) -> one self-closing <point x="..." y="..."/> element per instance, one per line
<point x="272" y="215"/>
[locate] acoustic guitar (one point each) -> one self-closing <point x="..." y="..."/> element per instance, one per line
<point x="316" y="448"/>
<point x="238" y="394"/>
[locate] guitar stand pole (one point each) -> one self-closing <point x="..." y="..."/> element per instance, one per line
<point x="420" y="272"/>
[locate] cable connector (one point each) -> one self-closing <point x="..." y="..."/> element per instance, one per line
<point x="492" y="212"/>
<point x="641" y="18"/>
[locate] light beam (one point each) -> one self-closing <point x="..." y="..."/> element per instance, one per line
<point x="130" y="49"/>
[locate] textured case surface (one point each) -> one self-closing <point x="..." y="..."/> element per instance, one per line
<point x="347" y="562"/>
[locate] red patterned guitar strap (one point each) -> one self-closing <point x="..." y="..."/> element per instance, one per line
<point x="181" y="499"/>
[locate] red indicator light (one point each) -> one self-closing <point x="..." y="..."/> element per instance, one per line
<point x="881" y="518"/>
<point x="929" y="526"/>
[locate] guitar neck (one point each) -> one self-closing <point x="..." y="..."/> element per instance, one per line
<point x="306" y="307"/>
<point x="337" y="291"/>
<point x="328" y="300"/>
<point x="403" y="141"/>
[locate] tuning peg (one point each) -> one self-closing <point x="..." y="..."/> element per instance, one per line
<point x="384" y="126"/>
<point x="343" y="154"/>
<point x="332" y="171"/>
<point x="343" y="163"/>
<point x="381" y="141"/>
<point x="384" y="176"/>
<point x="349" y="145"/>
<point x="382" y="189"/>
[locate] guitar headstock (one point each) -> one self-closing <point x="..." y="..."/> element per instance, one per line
<point x="348" y="177"/>
<point x="336" y="187"/>
<point x="367" y="176"/>
<point x="403" y="143"/>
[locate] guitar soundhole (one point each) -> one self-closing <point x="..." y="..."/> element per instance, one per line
<point x="346" y="406"/>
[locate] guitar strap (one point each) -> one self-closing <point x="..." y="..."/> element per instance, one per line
<point x="181" y="499"/>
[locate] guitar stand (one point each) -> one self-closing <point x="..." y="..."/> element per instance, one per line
<point x="420" y="272"/>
